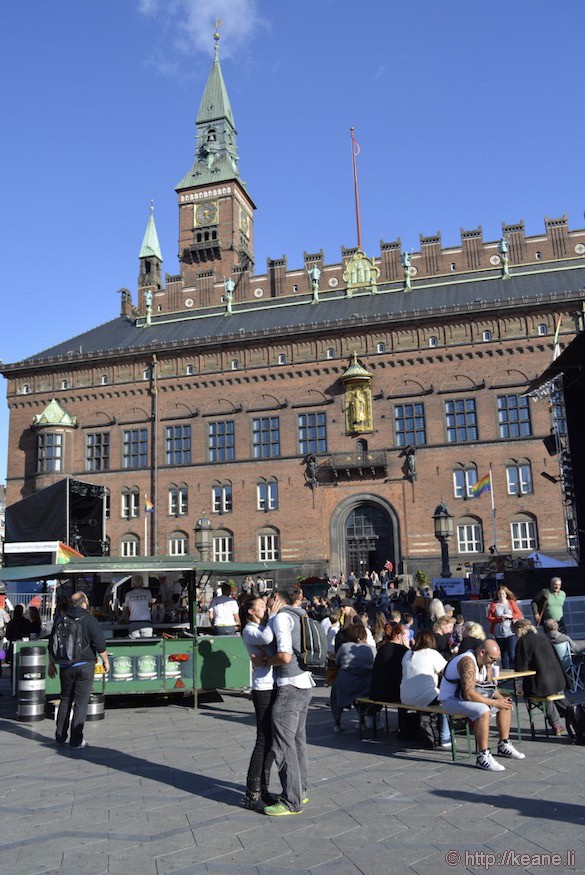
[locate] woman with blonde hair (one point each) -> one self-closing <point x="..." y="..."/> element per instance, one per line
<point x="502" y="612"/>
<point x="436" y="610"/>
<point x="472" y="633"/>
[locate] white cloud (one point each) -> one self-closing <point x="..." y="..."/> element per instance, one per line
<point x="191" y="23"/>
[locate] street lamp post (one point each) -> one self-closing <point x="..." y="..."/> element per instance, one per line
<point x="203" y="536"/>
<point x="443" y="521"/>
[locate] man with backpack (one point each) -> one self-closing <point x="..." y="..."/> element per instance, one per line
<point x="289" y="713"/>
<point x="75" y="642"/>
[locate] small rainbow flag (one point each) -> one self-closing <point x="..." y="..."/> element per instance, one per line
<point x="148" y="505"/>
<point x="483" y="485"/>
<point x="65" y="554"/>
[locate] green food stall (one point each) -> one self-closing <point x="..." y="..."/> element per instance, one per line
<point x="179" y="659"/>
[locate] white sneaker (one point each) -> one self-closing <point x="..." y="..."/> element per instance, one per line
<point x="337" y="728"/>
<point x="506" y="749"/>
<point x="486" y="761"/>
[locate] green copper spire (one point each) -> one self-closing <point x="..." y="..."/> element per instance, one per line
<point x="216" y="152"/>
<point x="150" y="245"/>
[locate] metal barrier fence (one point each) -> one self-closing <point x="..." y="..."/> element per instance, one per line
<point x="44" y="601"/>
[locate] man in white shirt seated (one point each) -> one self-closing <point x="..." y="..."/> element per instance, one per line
<point x="224" y="613"/>
<point x="137" y="605"/>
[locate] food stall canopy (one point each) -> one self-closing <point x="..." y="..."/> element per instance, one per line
<point x="140" y="565"/>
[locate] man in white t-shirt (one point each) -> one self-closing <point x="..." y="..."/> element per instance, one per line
<point x="137" y="604"/>
<point x="289" y="712"/>
<point x="224" y="613"/>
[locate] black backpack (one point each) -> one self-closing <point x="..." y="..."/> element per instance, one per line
<point x="313" y="652"/>
<point x="575" y="722"/>
<point x="65" y="642"/>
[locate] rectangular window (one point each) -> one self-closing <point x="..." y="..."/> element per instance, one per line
<point x="135" y="448"/>
<point x="97" y="452"/>
<point x="461" y="420"/>
<point x="409" y="425"/>
<point x="178" y="501"/>
<point x="50" y="452"/>
<point x="519" y="478"/>
<point x="222" y="441"/>
<point x="223" y="548"/>
<point x="267" y="496"/>
<point x="463" y="480"/>
<point x="469" y="538"/>
<point x="513" y="416"/>
<point x="266" y="437"/>
<point x="268" y="548"/>
<point x="178" y="445"/>
<point x="312" y="433"/>
<point x="221" y="498"/>
<point x="524" y="536"/>
<point x="130" y="505"/>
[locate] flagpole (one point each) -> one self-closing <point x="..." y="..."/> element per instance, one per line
<point x="355" y="150"/>
<point x="493" y="510"/>
<point x="145" y="532"/>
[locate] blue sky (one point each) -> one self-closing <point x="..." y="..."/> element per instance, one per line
<point x="466" y="113"/>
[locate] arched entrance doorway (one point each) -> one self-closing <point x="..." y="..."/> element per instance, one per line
<point x="364" y="535"/>
<point x="368" y="539"/>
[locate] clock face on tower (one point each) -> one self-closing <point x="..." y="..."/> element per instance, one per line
<point x="206" y="213"/>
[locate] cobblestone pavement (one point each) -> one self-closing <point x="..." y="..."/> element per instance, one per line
<point x="160" y="791"/>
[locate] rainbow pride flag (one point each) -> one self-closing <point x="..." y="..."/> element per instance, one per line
<point x="148" y="505"/>
<point x="65" y="554"/>
<point x="483" y="485"/>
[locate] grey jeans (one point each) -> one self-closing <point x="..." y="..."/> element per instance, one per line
<point x="289" y="742"/>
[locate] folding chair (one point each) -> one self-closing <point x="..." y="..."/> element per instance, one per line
<point x="572" y="669"/>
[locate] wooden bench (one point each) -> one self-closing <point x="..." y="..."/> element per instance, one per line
<point x="363" y="702"/>
<point x="539" y="703"/>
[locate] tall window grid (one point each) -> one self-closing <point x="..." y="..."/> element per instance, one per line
<point x="269" y="547"/>
<point x="524" y="535"/>
<point x="97" y="452"/>
<point x="266" y="437"/>
<point x="461" y="419"/>
<point x="409" y="425"/>
<point x="463" y="480"/>
<point x="135" y="448"/>
<point x="178" y="444"/>
<point x="221" y="441"/>
<point x="267" y="495"/>
<point x="130" y="546"/>
<point x="178" y="500"/>
<point x="514" y="416"/>
<point x="469" y="538"/>
<point x="223" y="548"/>
<point x="221" y="498"/>
<point x="312" y="433"/>
<point x="519" y="478"/>
<point x="178" y="544"/>
<point x="49" y="452"/>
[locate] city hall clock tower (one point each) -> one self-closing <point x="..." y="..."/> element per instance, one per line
<point x="216" y="214"/>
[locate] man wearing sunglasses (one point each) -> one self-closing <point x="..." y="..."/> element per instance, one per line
<point x="467" y="687"/>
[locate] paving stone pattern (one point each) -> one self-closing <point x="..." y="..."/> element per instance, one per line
<point x="159" y="792"/>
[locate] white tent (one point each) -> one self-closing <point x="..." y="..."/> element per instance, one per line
<point x="543" y="561"/>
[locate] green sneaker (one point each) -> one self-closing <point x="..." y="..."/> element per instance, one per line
<point x="280" y="810"/>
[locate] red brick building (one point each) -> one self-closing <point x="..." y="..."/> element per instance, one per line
<point x="316" y="414"/>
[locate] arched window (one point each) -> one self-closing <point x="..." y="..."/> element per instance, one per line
<point x="178" y="544"/>
<point x="64" y="384"/>
<point x="433" y="341"/>
<point x="130" y="545"/>
<point x="282" y="359"/>
<point x="330" y="353"/>
<point x="104" y="380"/>
<point x="469" y="535"/>
<point x="189" y="370"/>
<point x="519" y="477"/>
<point x="25" y="389"/>
<point x="524" y="532"/>
<point x="221" y="497"/>
<point x="235" y="364"/>
<point x="361" y="448"/>
<point x="381" y="347"/>
<point x="464" y="477"/>
<point x="269" y="545"/>
<point x="223" y="546"/>
<point x="130" y="503"/>
<point x="487" y="335"/>
<point x="178" y="499"/>
<point x="267" y="494"/>
<point x="542" y="330"/>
